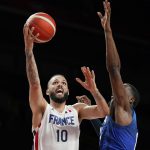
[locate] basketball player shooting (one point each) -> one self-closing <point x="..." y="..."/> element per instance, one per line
<point x="55" y="125"/>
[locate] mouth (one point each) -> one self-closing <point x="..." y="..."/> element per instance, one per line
<point x="59" y="91"/>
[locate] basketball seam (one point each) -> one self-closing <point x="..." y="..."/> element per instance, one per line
<point x="45" y="19"/>
<point x="36" y="38"/>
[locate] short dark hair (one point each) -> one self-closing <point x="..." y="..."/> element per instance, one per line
<point x="54" y="76"/>
<point x="135" y="93"/>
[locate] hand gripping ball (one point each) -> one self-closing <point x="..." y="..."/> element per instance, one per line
<point x="43" y="24"/>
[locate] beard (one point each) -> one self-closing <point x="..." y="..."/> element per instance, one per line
<point x="56" y="99"/>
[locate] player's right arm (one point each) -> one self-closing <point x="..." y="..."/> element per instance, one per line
<point x="36" y="100"/>
<point x="113" y="64"/>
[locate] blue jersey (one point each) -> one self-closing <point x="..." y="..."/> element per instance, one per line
<point x="116" y="137"/>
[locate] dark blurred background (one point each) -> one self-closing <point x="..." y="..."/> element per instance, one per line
<point x="79" y="41"/>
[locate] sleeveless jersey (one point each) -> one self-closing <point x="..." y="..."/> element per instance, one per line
<point x="116" y="137"/>
<point x="58" y="131"/>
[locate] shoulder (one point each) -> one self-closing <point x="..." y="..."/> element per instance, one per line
<point x="44" y="105"/>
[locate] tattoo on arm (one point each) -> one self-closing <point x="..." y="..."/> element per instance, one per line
<point x="31" y="68"/>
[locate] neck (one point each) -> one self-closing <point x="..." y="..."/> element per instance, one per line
<point x="57" y="106"/>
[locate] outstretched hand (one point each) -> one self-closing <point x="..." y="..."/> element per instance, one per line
<point x="28" y="38"/>
<point x="89" y="83"/>
<point x="105" y="19"/>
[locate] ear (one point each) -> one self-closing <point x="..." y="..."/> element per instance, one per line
<point x="132" y="100"/>
<point x="47" y="92"/>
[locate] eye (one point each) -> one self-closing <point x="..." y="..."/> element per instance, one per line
<point x="64" y="83"/>
<point x="55" y="82"/>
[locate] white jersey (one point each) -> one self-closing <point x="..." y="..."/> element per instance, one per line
<point x="58" y="131"/>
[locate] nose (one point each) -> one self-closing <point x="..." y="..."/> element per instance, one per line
<point x="60" y="85"/>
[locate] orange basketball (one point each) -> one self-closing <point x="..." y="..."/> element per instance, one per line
<point x="43" y="24"/>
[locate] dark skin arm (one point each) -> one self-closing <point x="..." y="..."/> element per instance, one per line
<point x="122" y="111"/>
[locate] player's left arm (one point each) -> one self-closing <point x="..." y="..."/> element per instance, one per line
<point x="101" y="108"/>
<point x="88" y="112"/>
<point x="96" y="123"/>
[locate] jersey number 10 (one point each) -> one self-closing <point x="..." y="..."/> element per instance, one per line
<point x="62" y="135"/>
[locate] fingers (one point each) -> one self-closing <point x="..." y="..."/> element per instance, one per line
<point x="29" y="32"/>
<point x="109" y="7"/>
<point x="106" y="5"/>
<point x="32" y="34"/>
<point x="83" y="99"/>
<point x="89" y="73"/>
<point x="25" y="29"/>
<point x="86" y="72"/>
<point x="100" y="15"/>
<point x="36" y="35"/>
<point x="80" y="81"/>
<point x="93" y="75"/>
<point x="83" y="69"/>
<point x="80" y="99"/>
<point x="89" y="78"/>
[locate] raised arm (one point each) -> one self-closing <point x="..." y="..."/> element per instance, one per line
<point x="101" y="108"/>
<point x="113" y="61"/>
<point x="36" y="100"/>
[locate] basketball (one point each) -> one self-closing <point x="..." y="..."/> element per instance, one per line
<point x="43" y="24"/>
